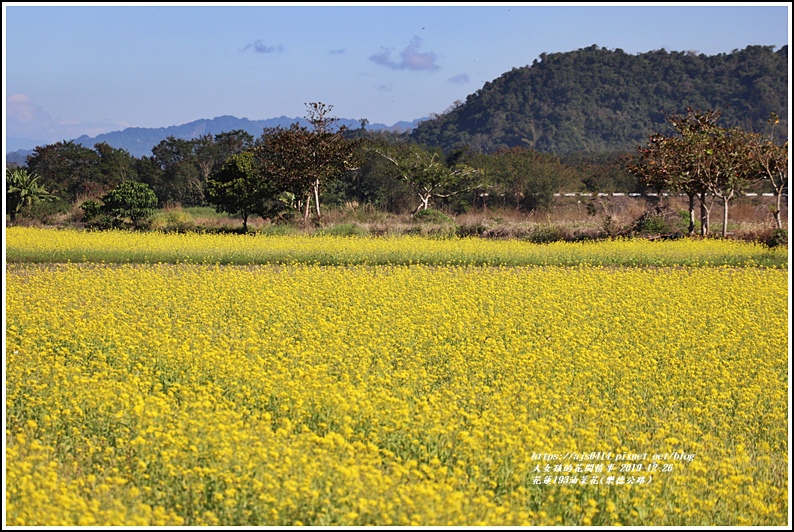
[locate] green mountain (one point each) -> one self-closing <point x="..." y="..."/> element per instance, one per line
<point x="595" y="100"/>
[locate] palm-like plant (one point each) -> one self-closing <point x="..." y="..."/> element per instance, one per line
<point x="23" y="189"/>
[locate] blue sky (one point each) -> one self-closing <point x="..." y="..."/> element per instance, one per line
<point x="88" y="69"/>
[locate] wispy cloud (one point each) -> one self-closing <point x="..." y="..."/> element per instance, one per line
<point x="460" y="79"/>
<point x="384" y="88"/>
<point x="263" y="48"/>
<point x="338" y="51"/>
<point x="27" y="120"/>
<point x="410" y="58"/>
<point x="21" y="109"/>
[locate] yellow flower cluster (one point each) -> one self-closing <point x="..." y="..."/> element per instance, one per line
<point x="52" y="245"/>
<point x="395" y="395"/>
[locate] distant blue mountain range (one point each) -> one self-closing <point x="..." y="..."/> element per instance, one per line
<point x="139" y="141"/>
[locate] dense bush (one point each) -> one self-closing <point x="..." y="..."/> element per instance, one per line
<point x="651" y="222"/>
<point x="346" y="229"/>
<point x="779" y="237"/>
<point x="431" y="216"/>
<point x="132" y="200"/>
<point x="175" y="220"/>
<point x="545" y="233"/>
<point x="659" y="222"/>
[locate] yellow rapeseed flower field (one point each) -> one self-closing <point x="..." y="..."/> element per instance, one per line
<point x="287" y="394"/>
<point x="52" y="245"/>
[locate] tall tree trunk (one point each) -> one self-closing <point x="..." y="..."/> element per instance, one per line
<point x="424" y="204"/>
<point x="726" y="199"/>
<point x="317" y="196"/>
<point x="306" y="211"/>
<point x="776" y="213"/>
<point x="691" y="213"/>
<point x="704" y="215"/>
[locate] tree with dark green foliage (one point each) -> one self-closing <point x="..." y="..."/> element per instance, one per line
<point x="74" y="172"/>
<point x="373" y="182"/>
<point x="133" y="200"/>
<point x="68" y="170"/>
<point x="229" y="143"/>
<point x="603" y="171"/>
<point x="529" y="178"/>
<point x="115" y="166"/>
<point x="302" y="161"/>
<point x="23" y="189"/>
<point x="702" y="158"/>
<point x="207" y="156"/>
<point x="211" y="153"/>
<point x="178" y="178"/>
<point x="178" y="169"/>
<point x="427" y="174"/>
<point x="239" y="188"/>
<point x="92" y="209"/>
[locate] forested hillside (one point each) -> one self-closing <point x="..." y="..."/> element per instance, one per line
<point x="596" y="100"/>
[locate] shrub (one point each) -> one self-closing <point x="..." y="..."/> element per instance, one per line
<point x="543" y="234"/>
<point x="91" y="210"/>
<point x="95" y="217"/>
<point x="431" y="216"/>
<point x="349" y="229"/>
<point x="173" y="221"/>
<point x="278" y="230"/>
<point x="477" y="228"/>
<point x="132" y="200"/>
<point x="651" y="222"/>
<point x="103" y="222"/>
<point x="660" y="221"/>
<point x="779" y="237"/>
<point x="46" y="211"/>
<point x="441" y="231"/>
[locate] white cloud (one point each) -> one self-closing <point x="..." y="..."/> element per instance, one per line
<point x="26" y="120"/>
<point x="410" y="58"/>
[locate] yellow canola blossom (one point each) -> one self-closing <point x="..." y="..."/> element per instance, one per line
<point x="26" y="244"/>
<point x="395" y="395"/>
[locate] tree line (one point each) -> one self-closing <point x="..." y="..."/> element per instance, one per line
<point x="291" y="173"/>
<point x="706" y="160"/>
